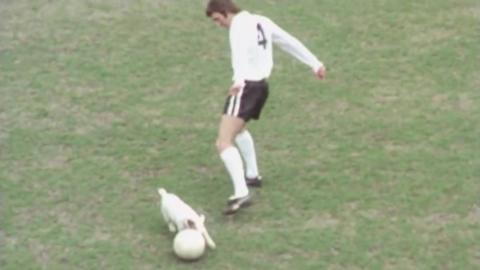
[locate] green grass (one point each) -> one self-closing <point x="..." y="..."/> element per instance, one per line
<point x="378" y="167"/>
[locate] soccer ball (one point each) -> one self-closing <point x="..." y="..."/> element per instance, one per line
<point x="189" y="244"/>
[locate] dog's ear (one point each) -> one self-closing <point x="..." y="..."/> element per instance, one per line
<point x="191" y="224"/>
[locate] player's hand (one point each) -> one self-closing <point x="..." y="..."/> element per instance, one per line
<point x="234" y="89"/>
<point x="321" y="73"/>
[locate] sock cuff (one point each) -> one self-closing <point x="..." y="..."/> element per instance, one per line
<point x="229" y="151"/>
<point x="243" y="135"/>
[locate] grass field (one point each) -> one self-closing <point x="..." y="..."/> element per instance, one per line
<point x="378" y="167"/>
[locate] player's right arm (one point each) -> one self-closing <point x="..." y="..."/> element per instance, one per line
<point x="239" y="51"/>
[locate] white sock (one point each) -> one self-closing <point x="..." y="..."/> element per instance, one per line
<point x="245" y="144"/>
<point x="233" y="162"/>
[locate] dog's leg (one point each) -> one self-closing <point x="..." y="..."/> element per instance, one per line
<point x="171" y="227"/>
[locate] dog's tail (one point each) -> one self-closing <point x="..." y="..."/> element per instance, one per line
<point x="204" y="232"/>
<point x="162" y="192"/>
<point x="208" y="239"/>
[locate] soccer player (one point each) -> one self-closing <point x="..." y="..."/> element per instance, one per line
<point x="251" y="37"/>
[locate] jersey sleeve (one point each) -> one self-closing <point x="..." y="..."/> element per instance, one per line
<point x="293" y="46"/>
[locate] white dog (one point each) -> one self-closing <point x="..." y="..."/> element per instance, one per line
<point x="179" y="216"/>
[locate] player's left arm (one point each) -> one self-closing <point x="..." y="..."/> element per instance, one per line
<point x="294" y="47"/>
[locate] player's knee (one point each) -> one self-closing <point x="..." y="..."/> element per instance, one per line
<point x="222" y="145"/>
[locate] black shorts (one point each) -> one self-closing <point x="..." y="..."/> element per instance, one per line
<point x="248" y="102"/>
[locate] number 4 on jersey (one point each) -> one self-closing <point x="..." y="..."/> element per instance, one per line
<point x="262" y="41"/>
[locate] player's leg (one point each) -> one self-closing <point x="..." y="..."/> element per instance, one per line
<point x="239" y="109"/>
<point x="245" y="144"/>
<point x="255" y="96"/>
<point x="229" y="127"/>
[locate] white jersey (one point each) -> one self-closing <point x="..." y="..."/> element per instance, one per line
<point x="251" y="38"/>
